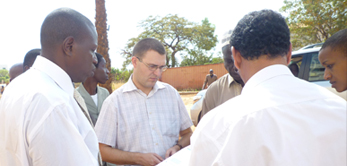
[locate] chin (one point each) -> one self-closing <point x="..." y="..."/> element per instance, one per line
<point x="340" y="89"/>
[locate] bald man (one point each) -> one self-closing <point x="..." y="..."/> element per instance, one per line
<point x="43" y="124"/>
<point x="15" y="71"/>
<point x="30" y="57"/>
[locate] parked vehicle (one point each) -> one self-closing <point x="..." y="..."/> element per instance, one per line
<point x="310" y="70"/>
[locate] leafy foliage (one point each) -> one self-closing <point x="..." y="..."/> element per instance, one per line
<point x="313" y="21"/>
<point x="121" y="75"/>
<point x="199" y="57"/>
<point x="177" y="34"/>
<point x="4" y="76"/>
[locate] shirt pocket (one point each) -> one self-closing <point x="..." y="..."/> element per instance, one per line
<point x="172" y="129"/>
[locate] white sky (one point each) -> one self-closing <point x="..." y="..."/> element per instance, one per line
<point x="21" y="20"/>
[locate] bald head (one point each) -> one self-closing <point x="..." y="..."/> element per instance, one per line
<point x="15" y="71"/>
<point x="62" y="23"/>
<point x="69" y="40"/>
<point x="30" y="57"/>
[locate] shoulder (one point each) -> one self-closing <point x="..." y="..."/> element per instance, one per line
<point x="166" y="85"/>
<point x="103" y="90"/>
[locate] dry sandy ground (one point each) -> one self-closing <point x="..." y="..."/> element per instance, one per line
<point x="188" y="101"/>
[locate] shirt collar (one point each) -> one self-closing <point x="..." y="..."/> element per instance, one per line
<point x="230" y="79"/>
<point x="265" y="74"/>
<point x="130" y="86"/>
<point x="57" y="74"/>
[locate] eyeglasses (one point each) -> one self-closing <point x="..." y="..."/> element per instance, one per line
<point x="153" y="67"/>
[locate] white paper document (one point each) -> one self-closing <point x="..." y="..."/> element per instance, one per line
<point x="180" y="158"/>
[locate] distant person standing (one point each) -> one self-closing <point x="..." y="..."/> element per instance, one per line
<point x="92" y="93"/>
<point x="15" y="71"/>
<point x="2" y="89"/>
<point x="333" y="56"/>
<point x="210" y="78"/>
<point x="41" y="123"/>
<point x="30" y="57"/>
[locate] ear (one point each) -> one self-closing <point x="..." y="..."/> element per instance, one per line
<point x="237" y="58"/>
<point x="133" y="61"/>
<point x="289" y="54"/>
<point x="68" y="45"/>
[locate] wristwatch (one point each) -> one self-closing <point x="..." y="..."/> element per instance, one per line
<point x="179" y="146"/>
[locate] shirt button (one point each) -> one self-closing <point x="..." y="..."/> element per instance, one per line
<point x="156" y="143"/>
<point x="153" y="128"/>
<point x="150" y="113"/>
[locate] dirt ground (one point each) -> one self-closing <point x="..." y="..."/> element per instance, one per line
<point x="188" y="102"/>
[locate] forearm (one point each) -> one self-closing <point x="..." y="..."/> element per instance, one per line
<point x="117" y="156"/>
<point x="185" y="138"/>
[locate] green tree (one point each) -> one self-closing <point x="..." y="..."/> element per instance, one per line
<point x="313" y="21"/>
<point x="121" y="75"/>
<point x="3" y="73"/>
<point x="177" y="35"/>
<point x="4" y="76"/>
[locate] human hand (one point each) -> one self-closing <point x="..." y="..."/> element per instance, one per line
<point x="150" y="159"/>
<point x="172" y="151"/>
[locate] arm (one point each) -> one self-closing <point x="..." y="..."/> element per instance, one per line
<point x="210" y="99"/>
<point x="184" y="141"/>
<point x="203" y="86"/>
<point x="117" y="156"/>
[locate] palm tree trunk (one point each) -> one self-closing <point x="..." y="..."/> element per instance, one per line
<point x="101" y="28"/>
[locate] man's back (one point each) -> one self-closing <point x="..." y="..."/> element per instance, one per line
<point x="42" y="119"/>
<point x="297" y="124"/>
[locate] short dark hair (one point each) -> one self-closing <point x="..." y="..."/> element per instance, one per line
<point x="62" y="23"/>
<point x="99" y="57"/>
<point x="30" y="57"/>
<point x="337" y="41"/>
<point x="259" y="33"/>
<point x="147" y="44"/>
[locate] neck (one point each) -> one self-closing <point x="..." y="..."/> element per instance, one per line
<point x="142" y="88"/>
<point x="250" y="67"/>
<point x="90" y="85"/>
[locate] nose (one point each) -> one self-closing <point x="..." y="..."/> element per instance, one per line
<point x="327" y="75"/>
<point x="95" y="59"/>
<point x="107" y="71"/>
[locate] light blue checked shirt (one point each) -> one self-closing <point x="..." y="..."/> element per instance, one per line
<point x="131" y="121"/>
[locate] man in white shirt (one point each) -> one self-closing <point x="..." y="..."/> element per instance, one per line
<point x="140" y="123"/>
<point x="278" y="119"/>
<point x="43" y="124"/>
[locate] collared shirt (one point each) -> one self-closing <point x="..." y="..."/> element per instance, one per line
<point x="41" y="123"/>
<point x="209" y="80"/>
<point x="93" y="109"/>
<point x="277" y="120"/>
<point x="220" y="91"/>
<point x="134" y="122"/>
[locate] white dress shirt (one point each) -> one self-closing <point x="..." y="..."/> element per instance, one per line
<point x="41" y="123"/>
<point x="131" y="121"/>
<point x="277" y="120"/>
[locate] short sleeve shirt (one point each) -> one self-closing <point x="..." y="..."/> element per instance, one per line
<point x="134" y="122"/>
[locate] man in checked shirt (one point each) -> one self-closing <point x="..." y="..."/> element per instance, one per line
<point x="140" y="123"/>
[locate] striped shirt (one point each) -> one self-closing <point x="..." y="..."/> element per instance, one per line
<point x="131" y="121"/>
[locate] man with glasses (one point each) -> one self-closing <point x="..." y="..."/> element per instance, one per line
<point x="140" y="123"/>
